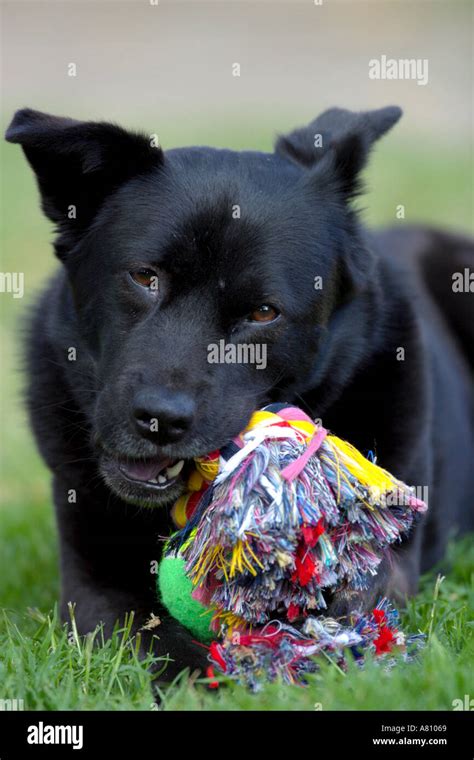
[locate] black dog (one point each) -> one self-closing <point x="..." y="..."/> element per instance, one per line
<point x="166" y="254"/>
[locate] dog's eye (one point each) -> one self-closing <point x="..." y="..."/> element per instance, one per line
<point x="147" y="278"/>
<point x="264" y="313"/>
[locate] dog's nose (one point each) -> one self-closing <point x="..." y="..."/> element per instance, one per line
<point x="163" y="414"/>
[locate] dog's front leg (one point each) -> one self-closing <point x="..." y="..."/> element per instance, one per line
<point x="160" y="635"/>
<point x="104" y="576"/>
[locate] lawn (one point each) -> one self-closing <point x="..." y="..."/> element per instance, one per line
<point x="49" y="666"/>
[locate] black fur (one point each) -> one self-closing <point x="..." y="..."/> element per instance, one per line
<point x="142" y="353"/>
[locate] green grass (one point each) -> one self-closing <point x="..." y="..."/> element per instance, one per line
<point x="48" y="666"/>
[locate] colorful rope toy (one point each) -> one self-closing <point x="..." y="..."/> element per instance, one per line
<point x="282" y="516"/>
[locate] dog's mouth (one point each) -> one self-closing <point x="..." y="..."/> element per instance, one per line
<point x="158" y="473"/>
<point x="147" y="482"/>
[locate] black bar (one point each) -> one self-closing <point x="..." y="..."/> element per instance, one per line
<point x="296" y="734"/>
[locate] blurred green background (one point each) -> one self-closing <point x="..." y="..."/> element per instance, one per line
<point x="167" y="70"/>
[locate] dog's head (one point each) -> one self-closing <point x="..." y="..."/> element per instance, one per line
<point x="204" y="282"/>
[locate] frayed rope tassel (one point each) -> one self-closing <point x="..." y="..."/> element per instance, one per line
<point x="281" y="651"/>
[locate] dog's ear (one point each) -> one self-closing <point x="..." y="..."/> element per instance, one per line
<point x="338" y="141"/>
<point x="77" y="164"/>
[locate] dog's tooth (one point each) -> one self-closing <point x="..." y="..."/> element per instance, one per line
<point x="173" y="471"/>
<point x="162" y="479"/>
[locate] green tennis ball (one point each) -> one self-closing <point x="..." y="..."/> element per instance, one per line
<point x="175" y="589"/>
